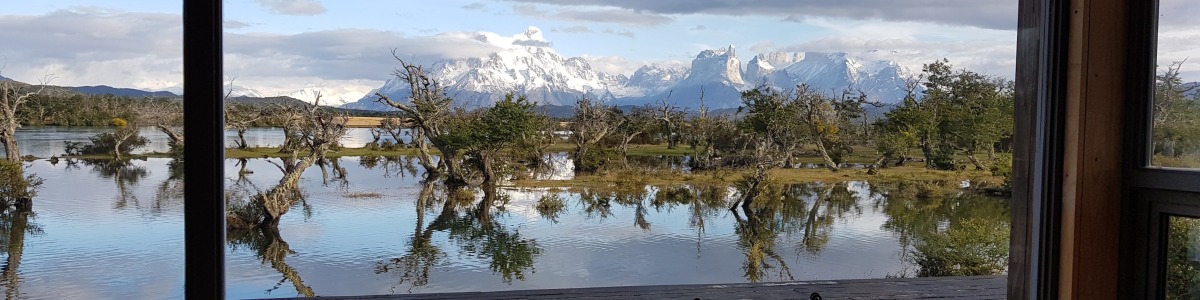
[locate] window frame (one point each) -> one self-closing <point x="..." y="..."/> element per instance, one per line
<point x="1153" y="193"/>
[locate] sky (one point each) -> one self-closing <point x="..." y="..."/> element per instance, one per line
<point x="344" y="48"/>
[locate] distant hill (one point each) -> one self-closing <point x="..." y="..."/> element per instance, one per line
<point x="123" y="92"/>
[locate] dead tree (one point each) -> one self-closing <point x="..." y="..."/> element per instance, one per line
<point x="670" y="116"/>
<point x="12" y="97"/>
<point x="167" y="117"/>
<point x="318" y="131"/>
<point x="592" y="122"/>
<point x="429" y="110"/>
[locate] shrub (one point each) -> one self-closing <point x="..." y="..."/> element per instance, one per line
<point x="595" y="160"/>
<point x="104" y="143"/>
<point x="15" y="186"/>
<point x="971" y="247"/>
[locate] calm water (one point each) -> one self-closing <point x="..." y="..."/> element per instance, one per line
<point x="104" y="231"/>
<point x="47" y="141"/>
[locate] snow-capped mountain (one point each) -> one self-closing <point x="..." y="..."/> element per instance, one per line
<point x="241" y="91"/>
<point x="238" y="91"/>
<point x="654" y="78"/>
<point x="526" y="65"/>
<point x="330" y="95"/>
<point x="881" y="80"/>
<point x="760" y="68"/>
<point x="719" y="66"/>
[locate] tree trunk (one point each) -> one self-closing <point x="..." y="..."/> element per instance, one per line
<point x="12" y="153"/>
<point x="449" y="159"/>
<point x="489" y="175"/>
<point x="280" y="199"/>
<point x="976" y="162"/>
<point x="829" y="164"/>
<point x="927" y="151"/>
<point x="117" y="148"/>
<point x="242" y="138"/>
<point x="423" y="155"/>
<point x="175" y="137"/>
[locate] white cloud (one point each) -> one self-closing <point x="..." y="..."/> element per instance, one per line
<point x="596" y="15"/>
<point x="611" y="64"/>
<point x="293" y="7"/>
<point x="983" y="14"/>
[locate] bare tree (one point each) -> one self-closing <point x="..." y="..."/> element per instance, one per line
<point x="239" y="117"/>
<point x="318" y="131"/>
<point x="670" y="116"/>
<point x="429" y="110"/>
<point x="167" y="117"/>
<point x="592" y="122"/>
<point x="12" y="97"/>
<point x="638" y="121"/>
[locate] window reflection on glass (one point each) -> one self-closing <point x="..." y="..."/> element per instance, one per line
<point x="1183" y="258"/>
<point x="1176" y="121"/>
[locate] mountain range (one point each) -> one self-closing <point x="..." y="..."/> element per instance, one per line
<point x="527" y="65"/>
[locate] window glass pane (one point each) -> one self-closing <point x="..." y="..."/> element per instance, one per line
<point x="656" y="144"/>
<point x="1183" y="258"/>
<point x="93" y="207"/>
<point x="1176" y="110"/>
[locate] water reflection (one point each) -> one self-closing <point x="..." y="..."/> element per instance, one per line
<point x="125" y="175"/>
<point x="14" y="226"/>
<point x="426" y="237"/>
<point x="474" y="229"/>
<point x="269" y="246"/>
<point x="946" y="235"/>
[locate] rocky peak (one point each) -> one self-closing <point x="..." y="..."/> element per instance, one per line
<point x="719" y="65"/>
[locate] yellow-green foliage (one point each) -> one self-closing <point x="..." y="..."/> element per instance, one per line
<point x="970" y="248"/>
<point x="1183" y="273"/>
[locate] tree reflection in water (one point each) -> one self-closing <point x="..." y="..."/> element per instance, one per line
<point x="266" y="241"/>
<point x="270" y="247"/>
<point x="392" y="166"/>
<point x="475" y="231"/>
<point x="14" y="226"/>
<point x="124" y="173"/>
<point x="947" y="233"/>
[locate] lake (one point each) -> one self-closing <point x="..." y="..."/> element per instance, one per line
<point x="47" y="141"/>
<point x="101" y="230"/>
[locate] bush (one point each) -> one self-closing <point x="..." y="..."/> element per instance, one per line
<point x="595" y="160"/>
<point x="1003" y="168"/>
<point x="971" y="247"/>
<point x="104" y="143"/>
<point x="15" y="186"/>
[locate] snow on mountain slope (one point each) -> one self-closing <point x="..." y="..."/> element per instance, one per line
<point x="720" y="65"/>
<point x="881" y="79"/>
<point x="654" y="78"/>
<point x="527" y="65"/>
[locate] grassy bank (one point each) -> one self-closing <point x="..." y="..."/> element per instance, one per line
<point x="666" y="177"/>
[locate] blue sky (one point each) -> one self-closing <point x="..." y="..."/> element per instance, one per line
<point x="343" y="47"/>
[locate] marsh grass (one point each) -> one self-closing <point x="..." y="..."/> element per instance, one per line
<point x="363" y="195"/>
